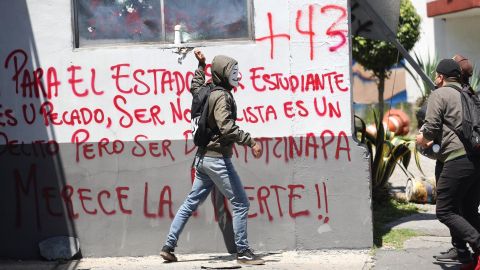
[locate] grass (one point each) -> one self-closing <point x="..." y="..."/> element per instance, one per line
<point x="396" y="238"/>
<point x="386" y="212"/>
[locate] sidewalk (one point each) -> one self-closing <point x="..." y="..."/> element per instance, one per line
<point x="331" y="259"/>
<point x="418" y="252"/>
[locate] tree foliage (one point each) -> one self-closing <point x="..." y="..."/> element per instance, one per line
<point x="379" y="56"/>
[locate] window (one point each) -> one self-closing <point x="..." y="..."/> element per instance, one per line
<point x="100" y="22"/>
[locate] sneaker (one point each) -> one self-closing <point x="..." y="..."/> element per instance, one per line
<point x="167" y="254"/>
<point x="454" y="254"/>
<point x="247" y="257"/>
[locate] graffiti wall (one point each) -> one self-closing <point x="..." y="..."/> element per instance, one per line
<point x="96" y="141"/>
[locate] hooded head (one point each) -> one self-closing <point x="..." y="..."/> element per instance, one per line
<point x="225" y="71"/>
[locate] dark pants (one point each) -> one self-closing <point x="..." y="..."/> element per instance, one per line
<point x="458" y="197"/>
<point x="456" y="242"/>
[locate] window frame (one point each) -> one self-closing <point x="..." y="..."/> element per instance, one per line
<point x="163" y="43"/>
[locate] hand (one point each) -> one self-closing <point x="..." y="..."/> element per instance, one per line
<point x="200" y="57"/>
<point x="420" y="140"/>
<point x="257" y="150"/>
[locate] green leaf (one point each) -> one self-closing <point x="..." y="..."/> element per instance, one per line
<point x="385" y="154"/>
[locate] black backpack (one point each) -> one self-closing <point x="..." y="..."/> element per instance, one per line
<point x="202" y="133"/>
<point x="469" y="133"/>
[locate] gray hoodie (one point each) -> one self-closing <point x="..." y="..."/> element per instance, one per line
<point x="222" y="111"/>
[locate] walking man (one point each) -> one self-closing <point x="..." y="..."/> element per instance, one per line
<point x="458" y="185"/>
<point x="213" y="162"/>
<point x="459" y="251"/>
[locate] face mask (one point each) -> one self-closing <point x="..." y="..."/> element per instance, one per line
<point x="233" y="78"/>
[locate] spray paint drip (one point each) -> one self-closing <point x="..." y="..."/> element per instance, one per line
<point x="326" y="219"/>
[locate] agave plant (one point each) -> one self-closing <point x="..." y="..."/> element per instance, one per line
<point x="475" y="79"/>
<point x="428" y="66"/>
<point x="386" y="151"/>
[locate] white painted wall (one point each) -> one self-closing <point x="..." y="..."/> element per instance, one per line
<point x="53" y="48"/>
<point x="424" y="47"/>
<point x="445" y="36"/>
<point x="460" y="36"/>
<point x="329" y="176"/>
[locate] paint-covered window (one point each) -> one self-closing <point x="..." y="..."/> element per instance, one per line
<point x="99" y="22"/>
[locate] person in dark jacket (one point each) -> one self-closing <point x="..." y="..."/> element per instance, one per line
<point x="459" y="251"/>
<point x="458" y="185"/>
<point x="213" y="162"/>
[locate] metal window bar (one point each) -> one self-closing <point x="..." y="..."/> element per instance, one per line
<point x="251" y="24"/>
<point x="76" y="34"/>
<point x="162" y="12"/>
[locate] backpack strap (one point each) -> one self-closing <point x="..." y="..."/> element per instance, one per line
<point x="466" y="88"/>
<point x="446" y="124"/>
<point x="454" y="87"/>
<point x="214" y="88"/>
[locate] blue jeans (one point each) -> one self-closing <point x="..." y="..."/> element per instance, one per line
<point x="221" y="173"/>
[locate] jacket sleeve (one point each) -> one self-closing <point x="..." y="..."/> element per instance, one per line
<point x="198" y="79"/>
<point x="432" y="128"/>
<point x="226" y="124"/>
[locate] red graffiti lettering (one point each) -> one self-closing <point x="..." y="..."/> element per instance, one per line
<point x="152" y="81"/>
<point x="140" y="115"/>
<point x="84" y="198"/>
<point x="258" y="114"/>
<point x="262" y="82"/>
<point x="292" y="197"/>
<point x="332" y="31"/>
<point x="272" y="36"/>
<point x="100" y="202"/>
<point x="25" y="189"/>
<point x="179" y="114"/>
<point x="288" y="148"/>
<point x="250" y="199"/>
<point x="47" y="194"/>
<point x="83" y="116"/>
<point x="165" y="200"/>
<point x="153" y="149"/>
<point x="74" y="80"/>
<point x="121" y="197"/>
<point x="37" y="149"/>
<point x="310" y="33"/>
<point x="7" y="117"/>
<point x="30" y="82"/>
<point x="89" y="151"/>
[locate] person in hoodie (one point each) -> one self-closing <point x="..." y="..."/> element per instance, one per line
<point x="213" y="162"/>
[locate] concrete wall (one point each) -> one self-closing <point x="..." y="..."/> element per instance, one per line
<point x="116" y="184"/>
<point x="456" y="35"/>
